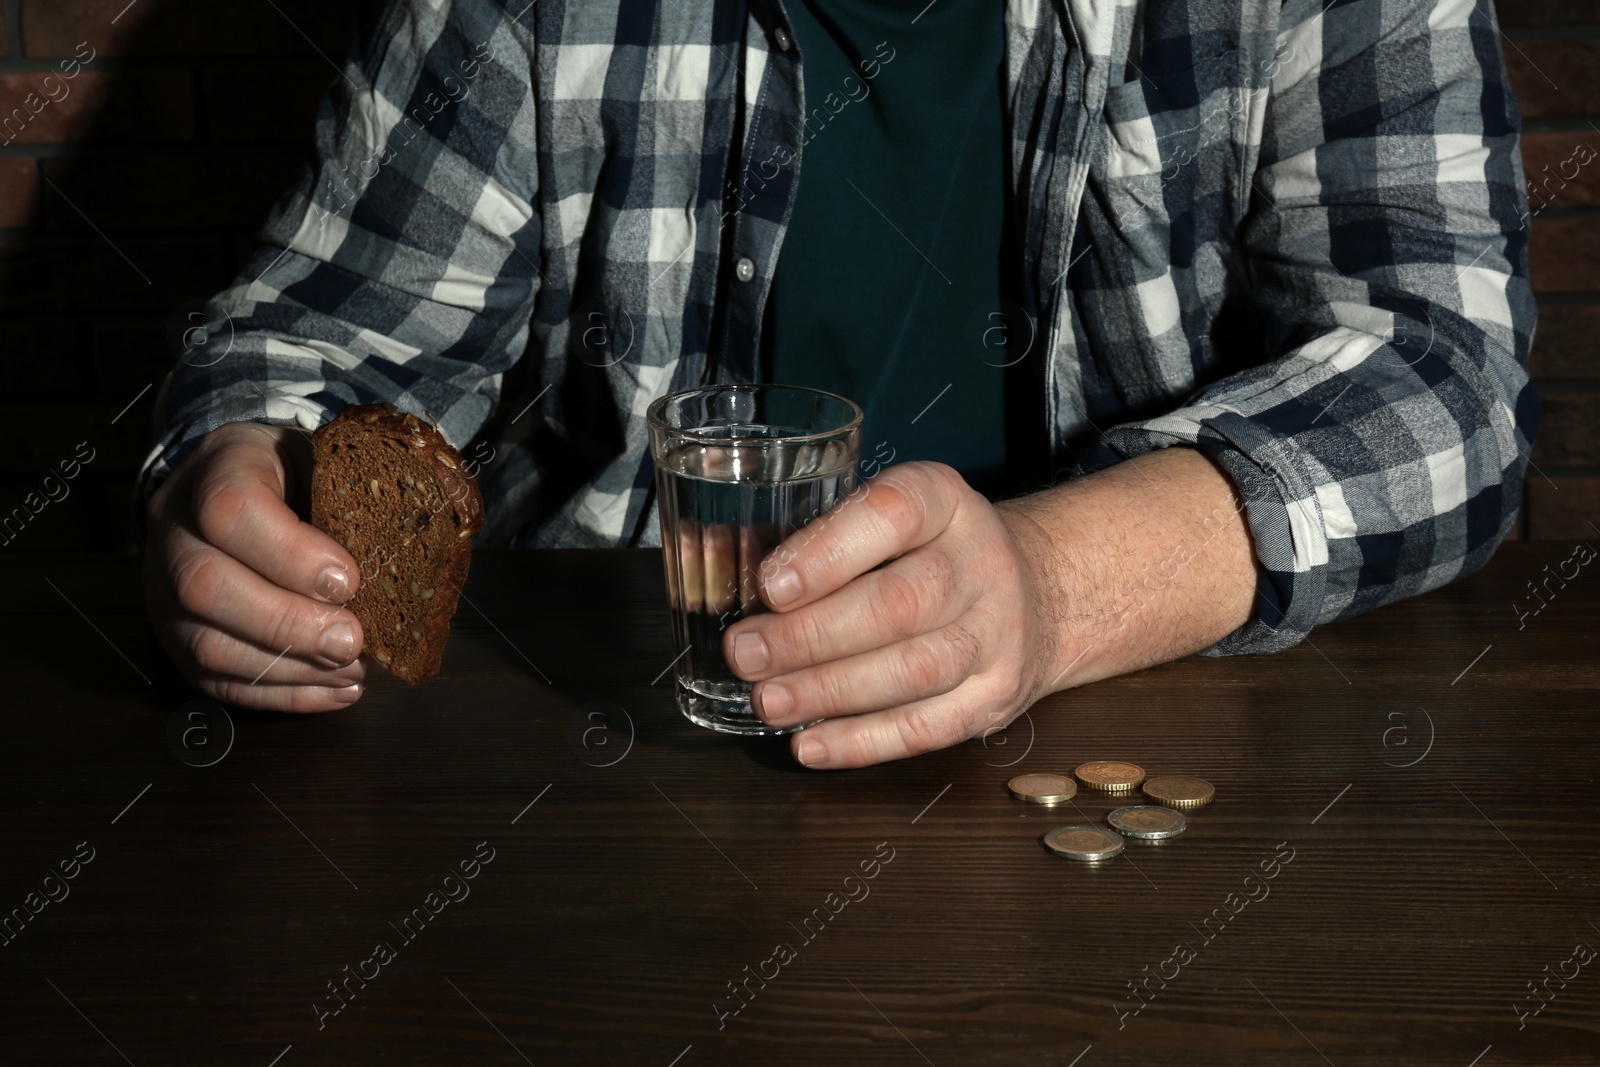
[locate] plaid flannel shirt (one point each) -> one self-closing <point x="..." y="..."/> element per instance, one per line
<point x="1287" y="232"/>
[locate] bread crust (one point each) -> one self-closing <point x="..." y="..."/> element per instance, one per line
<point x="379" y="446"/>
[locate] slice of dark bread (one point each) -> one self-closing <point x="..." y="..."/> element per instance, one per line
<point x="388" y="487"/>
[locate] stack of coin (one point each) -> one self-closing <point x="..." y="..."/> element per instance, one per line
<point x="1084" y="843"/>
<point x="1180" y="791"/>
<point x="1161" y="820"/>
<point x="1110" y="776"/>
<point x="1147" y="822"/>
<point x="1042" y="788"/>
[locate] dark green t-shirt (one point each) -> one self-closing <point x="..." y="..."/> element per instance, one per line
<point x="892" y="279"/>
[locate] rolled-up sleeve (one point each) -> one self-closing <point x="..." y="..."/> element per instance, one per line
<point x="402" y="267"/>
<point x="1381" y="452"/>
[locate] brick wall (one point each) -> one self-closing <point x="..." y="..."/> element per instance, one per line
<point x="1552" y="48"/>
<point x="134" y="190"/>
<point x="157" y="135"/>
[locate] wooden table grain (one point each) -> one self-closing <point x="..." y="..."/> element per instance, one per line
<point x="534" y="859"/>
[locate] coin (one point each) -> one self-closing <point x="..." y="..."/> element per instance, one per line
<point x="1180" y="791"/>
<point x="1088" y="843"/>
<point x="1043" y="788"/>
<point x="1148" y="822"/>
<point x="1110" y="776"/>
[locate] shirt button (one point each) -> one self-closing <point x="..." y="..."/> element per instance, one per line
<point x="781" y="38"/>
<point x="745" y="269"/>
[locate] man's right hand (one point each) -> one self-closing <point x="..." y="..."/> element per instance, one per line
<point x="246" y="598"/>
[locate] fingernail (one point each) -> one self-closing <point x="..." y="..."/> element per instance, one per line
<point x="348" y="695"/>
<point x="775" y="701"/>
<point x="354" y="671"/>
<point x="339" y="644"/>
<point x="809" y="751"/>
<point x="783" y="585"/>
<point x="333" y="585"/>
<point x="749" y="652"/>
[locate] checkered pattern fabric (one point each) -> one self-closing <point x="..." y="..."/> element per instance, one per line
<point x="1287" y="232"/>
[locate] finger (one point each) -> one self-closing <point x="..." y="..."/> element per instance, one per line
<point x="267" y="697"/>
<point x="903" y="508"/>
<point x="755" y="542"/>
<point x="915" y="594"/>
<point x="689" y="567"/>
<point x="225" y="656"/>
<point x="925" y="666"/>
<point x="212" y="588"/>
<point x="717" y="541"/>
<point x="239" y="507"/>
<point x="909" y="730"/>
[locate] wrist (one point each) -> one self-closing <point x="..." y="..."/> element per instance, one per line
<point x="1058" y="647"/>
<point x="1135" y="565"/>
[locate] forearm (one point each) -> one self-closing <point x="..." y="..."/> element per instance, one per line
<point x="1136" y="565"/>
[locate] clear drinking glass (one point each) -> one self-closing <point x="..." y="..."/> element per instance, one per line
<point x="738" y="469"/>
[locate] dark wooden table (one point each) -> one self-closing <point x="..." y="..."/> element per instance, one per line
<point x="1404" y="845"/>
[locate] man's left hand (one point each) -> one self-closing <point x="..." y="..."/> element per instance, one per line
<point x="908" y="619"/>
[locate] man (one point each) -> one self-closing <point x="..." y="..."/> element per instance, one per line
<point x="1251" y="269"/>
